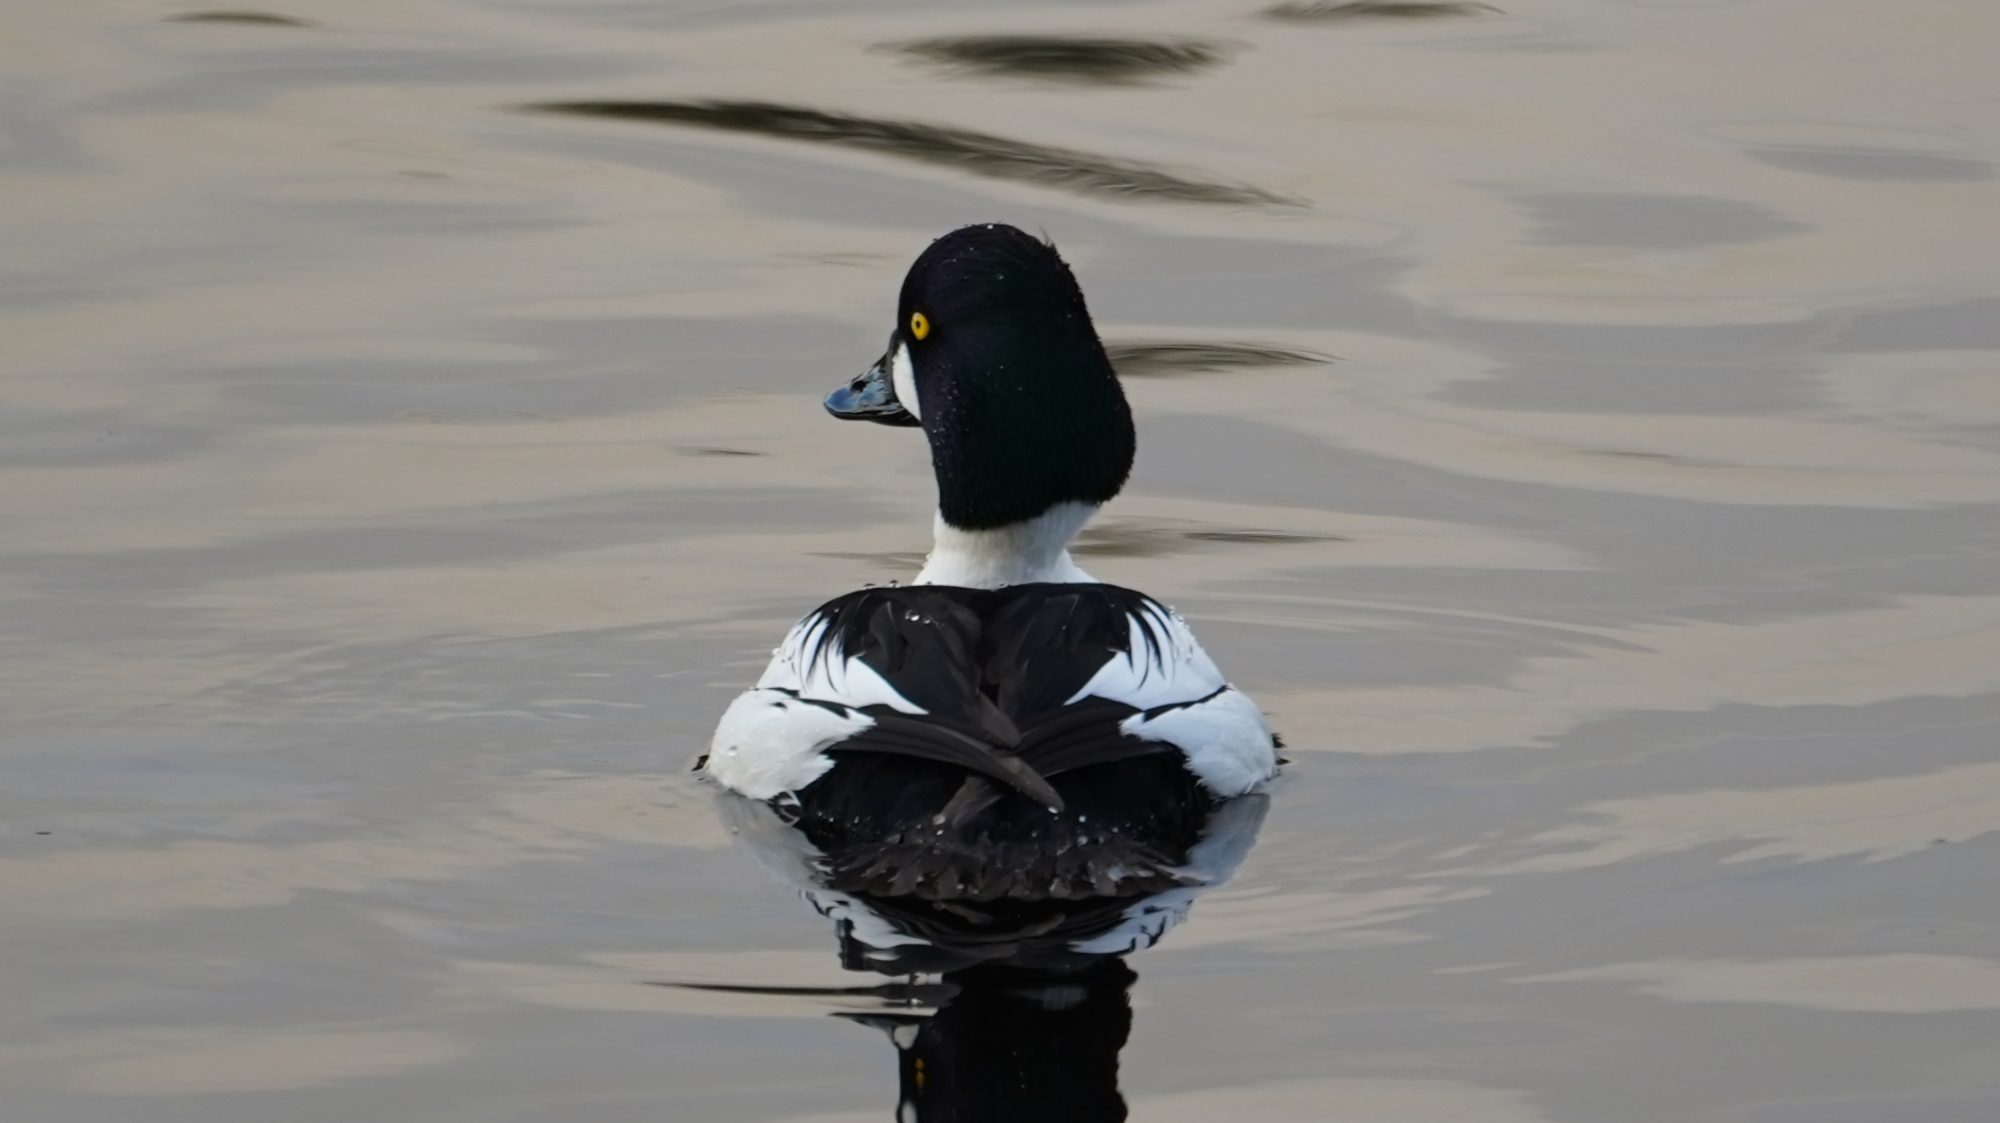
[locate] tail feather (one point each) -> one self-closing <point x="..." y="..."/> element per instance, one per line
<point x="943" y="868"/>
<point x="926" y="740"/>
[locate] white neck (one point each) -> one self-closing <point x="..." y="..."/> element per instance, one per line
<point x="1017" y="554"/>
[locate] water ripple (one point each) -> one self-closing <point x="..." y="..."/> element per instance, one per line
<point x="1088" y="60"/>
<point x="1143" y="359"/>
<point x="1323" y="11"/>
<point x="983" y="154"/>
<point x="253" y="19"/>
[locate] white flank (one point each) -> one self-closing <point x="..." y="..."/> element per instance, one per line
<point x="1218" y="727"/>
<point x="772" y="740"/>
<point x="1228" y="746"/>
<point x="1020" y="554"/>
<point x="769" y="743"/>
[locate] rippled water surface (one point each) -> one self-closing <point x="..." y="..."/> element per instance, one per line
<point x="1579" y="424"/>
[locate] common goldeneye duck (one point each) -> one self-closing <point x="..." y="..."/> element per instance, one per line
<point x="1007" y="727"/>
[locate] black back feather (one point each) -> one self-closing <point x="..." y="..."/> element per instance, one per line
<point x="1001" y="790"/>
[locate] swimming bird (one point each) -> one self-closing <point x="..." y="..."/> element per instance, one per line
<point x="1007" y="729"/>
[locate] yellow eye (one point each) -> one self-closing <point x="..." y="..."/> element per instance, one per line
<point x="920" y="325"/>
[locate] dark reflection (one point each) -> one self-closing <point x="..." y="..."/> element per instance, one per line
<point x="1026" y="1005"/>
<point x="1874" y="164"/>
<point x="1122" y="538"/>
<point x="1262" y="537"/>
<point x="1140" y="538"/>
<point x="1330" y="10"/>
<point x="979" y="153"/>
<point x="1139" y="359"/>
<point x="1104" y="60"/>
<point x="1637" y="454"/>
<point x="1015" y="1045"/>
<point x="996" y="1042"/>
<point x="258" y="19"/>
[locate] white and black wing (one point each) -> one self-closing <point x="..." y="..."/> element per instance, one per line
<point x="989" y="744"/>
<point x="773" y="739"/>
<point x="1182" y="699"/>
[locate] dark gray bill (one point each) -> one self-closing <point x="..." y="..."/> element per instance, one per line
<point x="870" y="396"/>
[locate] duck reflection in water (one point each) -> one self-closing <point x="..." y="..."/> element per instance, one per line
<point x="1010" y="1009"/>
<point x="1015" y="1044"/>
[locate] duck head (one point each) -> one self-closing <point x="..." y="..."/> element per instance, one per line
<point x="994" y="355"/>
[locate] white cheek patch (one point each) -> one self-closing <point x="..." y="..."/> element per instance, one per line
<point x="903" y="376"/>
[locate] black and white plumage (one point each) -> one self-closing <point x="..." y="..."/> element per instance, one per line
<point x="1007" y="729"/>
<point x="1040" y="739"/>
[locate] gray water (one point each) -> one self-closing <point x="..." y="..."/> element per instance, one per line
<point x="1577" y="424"/>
